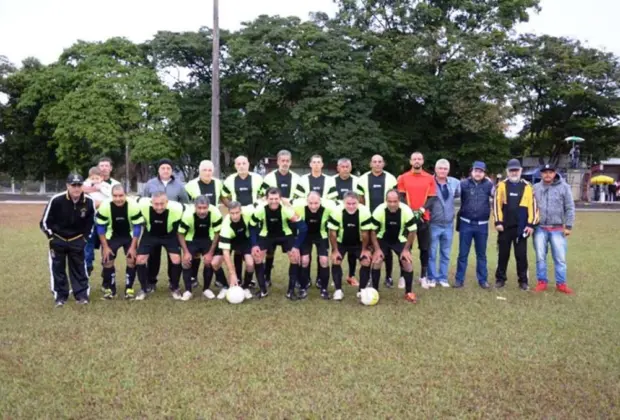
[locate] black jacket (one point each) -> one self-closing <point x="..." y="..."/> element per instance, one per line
<point x="66" y="219"/>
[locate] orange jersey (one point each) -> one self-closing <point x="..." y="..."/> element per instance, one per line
<point x="417" y="188"/>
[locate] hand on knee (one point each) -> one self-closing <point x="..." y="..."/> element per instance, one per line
<point x="142" y="259"/>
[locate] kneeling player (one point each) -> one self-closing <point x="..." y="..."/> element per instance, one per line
<point x="396" y="227"/>
<point x="235" y="237"/>
<point x="161" y="219"/>
<point x="315" y="214"/>
<point x="271" y="227"/>
<point x="119" y="225"/>
<point x="349" y="225"/>
<point x="199" y="235"/>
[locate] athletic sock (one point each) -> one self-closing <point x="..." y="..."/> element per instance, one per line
<point x="293" y="276"/>
<point x="175" y="276"/>
<point x="207" y="274"/>
<point x="337" y="276"/>
<point x="408" y="281"/>
<point x="324" y="277"/>
<point x="130" y="277"/>
<point x="364" y="276"/>
<point x="260" y="275"/>
<point x="247" y="279"/>
<point x="220" y="276"/>
<point x="187" y="278"/>
<point x="376" y="277"/>
<point x="143" y="277"/>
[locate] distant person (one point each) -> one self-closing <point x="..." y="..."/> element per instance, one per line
<point x="515" y="218"/>
<point x="67" y="221"/>
<point x="613" y="189"/>
<point x="556" y="219"/>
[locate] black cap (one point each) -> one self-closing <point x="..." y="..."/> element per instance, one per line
<point x="75" y="179"/>
<point x="513" y="164"/>
<point x="165" y="162"/>
<point x="547" y="167"/>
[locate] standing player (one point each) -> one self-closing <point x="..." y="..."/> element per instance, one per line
<point x="161" y="220"/>
<point x="396" y="226"/>
<point x="119" y="225"/>
<point x="235" y="236"/>
<point x="371" y="188"/>
<point x="272" y="226"/>
<point x="198" y="235"/>
<point x="344" y="182"/>
<point x="349" y="233"/>
<point x="67" y="221"/>
<point x="288" y="182"/>
<point x="315" y="213"/>
<point x="417" y="190"/>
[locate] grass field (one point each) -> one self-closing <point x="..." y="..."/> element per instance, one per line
<point x="457" y="353"/>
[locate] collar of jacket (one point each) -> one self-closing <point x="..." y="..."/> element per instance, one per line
<point x="171" y="179"/>
<point x="82" y="197"/>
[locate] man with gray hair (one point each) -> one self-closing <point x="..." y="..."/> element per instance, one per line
<point x="205" y="184"/>
<point x="442" y="223"/>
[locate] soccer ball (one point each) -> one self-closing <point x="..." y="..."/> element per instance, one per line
<point x="235" y="295"/>
<point x="369" y="296"/>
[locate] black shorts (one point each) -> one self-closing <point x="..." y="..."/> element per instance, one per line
<point x="355" y="250"/>
<point x="387" y="247"/>
<point x="243" y="247"/>
<point x="202" y="247"/>
<point x="150" y="242"/>
<point x="322" y="245"/>
<point x="270" y="244"/>
<point x="117" y="243"/>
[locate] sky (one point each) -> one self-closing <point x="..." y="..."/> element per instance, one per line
<point x="43" y="28"/>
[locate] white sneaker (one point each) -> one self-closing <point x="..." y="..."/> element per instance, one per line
<point x="338" y="295"/>
<point x="208" y="294"/>
<point x="222" y="294"/>
<point x="141" y="295"/>
<point x="431" y="283"/>
<point x="444" y="283"/>
<point x="247" y="293"/>
<point x="176" y="295"/>
<point x="401" y="283"/>
<point x="424" y="283"/>
<point x="187" y="295"/>
<point x="359" y="295"/>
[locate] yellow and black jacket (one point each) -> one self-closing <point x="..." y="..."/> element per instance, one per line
<point x="514" y="205"/>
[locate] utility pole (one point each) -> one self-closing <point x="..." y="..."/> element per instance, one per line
<point x="127" y="181"/>
<point x="215" y="93"/>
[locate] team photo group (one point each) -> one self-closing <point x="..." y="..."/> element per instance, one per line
<point x="233" y="229"/>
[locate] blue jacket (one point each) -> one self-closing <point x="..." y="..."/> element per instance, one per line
<point x="442" y="211"/>
<point x="475" y="199"/>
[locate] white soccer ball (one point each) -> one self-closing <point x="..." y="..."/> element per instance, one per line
<point x="235" y="295"/>
<point x="369" y="296"/>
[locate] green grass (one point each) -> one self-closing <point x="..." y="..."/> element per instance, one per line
<point x="457" y="353"/>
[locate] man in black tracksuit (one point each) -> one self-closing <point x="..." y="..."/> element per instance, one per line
<point x="67" y="221"/>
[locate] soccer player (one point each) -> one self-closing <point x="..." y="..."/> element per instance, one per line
<point x="349" y="227"/>
<point x="371" y="188"/>
<point x="288" y="182"/>
<point x="67" y="221"/>
<point x="344" y="182"/>
<point x="198" y="235"/>
<point x="205" y="184"/>
<point x="315" y="213"/>
<point x="417" y="190"/>
<point x="235" y="236"/>
<point x="396" y="226"/>
<point x="161" y="220"/>
<point x="516" y="214"/>
<point x="272" y="226"/>
<point x="119" y="225"/>
<point x="316" y="180"/>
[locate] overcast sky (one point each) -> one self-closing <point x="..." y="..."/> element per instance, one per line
<point x="43" y="28"/>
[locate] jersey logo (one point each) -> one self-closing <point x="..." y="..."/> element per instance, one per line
<point x="283" y="185"/>
<point x="161" y="222"/>
<point x="83" y="212"/>
<point x="273" y="219"/>
<point x="514" y="194"/>
<point x="120" y="219"/>
<point x="393" y="223"/>
<point x="243" y="189"/>
<point x="351" y="225"/>
<point x="376" y="186"/>
<point x="316" y="188"/>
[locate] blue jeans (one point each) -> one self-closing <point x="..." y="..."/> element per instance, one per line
<point x="542" y="239"/>
<point x="479" y="234"/>
<point x="441" y="237"/>
<point x="89" y="250"/>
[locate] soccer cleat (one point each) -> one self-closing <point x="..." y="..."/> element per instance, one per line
<point x="353" y="281"/>
<point x="247" y="293"/>
<point x="151" y="289"/>
<point x="268" y="281"/>
<point x="499" y="284"/>
<point x="444" y="284"/>
<point x="389" y="283"/>
<point x="253" y="284"/>
<point x="338" y="295"/>
<point x="541" y="286"/>
<point x="187" y="295"/>
<point x="176" y="295"/>
<point x="411" y="297"/>
<point x="317" y="283"/>
<point x="195" y="283"/>
<point x="262" y="295"/>
<point x="358" y="295"/>
<point x="563" y="288"/>
<point x="141" y="295"/>
<point x="83" y="301"/>
<point x="107" y="294"/>
<point x="222" y="294"/>
<point x="59" y="303"/>
<point x="524" y="287"/>
<point x="303" y="294"/>
<point x="485" y="285"/>
<point x="208" y="294"/>
<point x="290" y="295"/>
<point x="424" y="283"/>
<point x="129" y="294"/>
<point x="324" y="294"/>
<point x="401" y="283"/>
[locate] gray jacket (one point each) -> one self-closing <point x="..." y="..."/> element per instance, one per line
<point x="442" y="210"/>
<point x="555" y="203"/>
<point x="175" y="190"/>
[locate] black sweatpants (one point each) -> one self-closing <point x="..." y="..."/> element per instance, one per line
<point x="511" y="236"/>
<point x="424" y="243"/>
<point x="154" y="263"/>
<point x="73" y="252"/>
